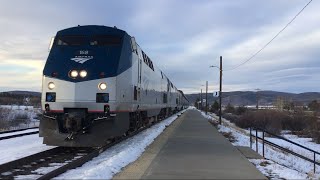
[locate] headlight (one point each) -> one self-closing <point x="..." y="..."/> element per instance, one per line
<point x="51" y="85"/>
<point x="83" y="73"/>
<point x="102" y="86"/>
<point x="74" y="73"/>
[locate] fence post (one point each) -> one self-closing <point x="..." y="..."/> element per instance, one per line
<point x="314" y="162"/>
<point x="250" y="139"/>
<point x="263" y="143"/>
<point x="257" y="141"/>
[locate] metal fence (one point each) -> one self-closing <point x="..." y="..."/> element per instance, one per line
<point x="265" y="141"/>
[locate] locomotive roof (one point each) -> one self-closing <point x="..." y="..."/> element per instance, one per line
<point x="91" y="30"/>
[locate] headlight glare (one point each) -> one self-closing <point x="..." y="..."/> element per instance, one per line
<point x="83" y="73"/>
<point x="51" y="85"/>
<point x="102" y="86"/>
<point x="74" y="73"/>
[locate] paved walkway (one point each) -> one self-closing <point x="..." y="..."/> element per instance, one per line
<point x="191" y="149"/>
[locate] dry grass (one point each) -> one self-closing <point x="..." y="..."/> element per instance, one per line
<point x="229" y="136"/>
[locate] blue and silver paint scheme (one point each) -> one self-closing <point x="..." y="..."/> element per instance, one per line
<point x="133" y="85"/>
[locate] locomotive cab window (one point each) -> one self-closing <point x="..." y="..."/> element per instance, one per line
<point x="70" y="40"/>
<point x="105" y="41"/>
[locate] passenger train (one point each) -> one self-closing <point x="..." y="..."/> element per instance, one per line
<point x="98" y="84"/>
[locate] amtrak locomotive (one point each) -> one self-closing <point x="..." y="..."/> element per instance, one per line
<point x="98" y="84"/>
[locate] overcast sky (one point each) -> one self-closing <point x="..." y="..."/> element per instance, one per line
<point x="182" y="37"/>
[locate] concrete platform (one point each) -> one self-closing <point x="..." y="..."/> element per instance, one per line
<point x="249" y="153"/>
<point x="191" y="148"/>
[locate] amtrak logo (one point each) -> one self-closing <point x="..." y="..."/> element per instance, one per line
<point x="81" y="59"/>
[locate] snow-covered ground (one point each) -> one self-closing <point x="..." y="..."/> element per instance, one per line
<point x="16" y="148"/>
<point x="17" y="107"/>
<point x="10" y="113"/>
<point x="110" y="162"/>
<point x="19" y="132"/>
<point x="276" y="171"/>
<point x="278" y="165"/>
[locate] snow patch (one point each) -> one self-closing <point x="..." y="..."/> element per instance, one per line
<point x="275" y="171"/>
<point x="16" y="148"/>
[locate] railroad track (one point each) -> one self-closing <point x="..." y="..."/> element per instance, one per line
<point x="51" y="163"/>
<point x="17" y="130"/>
<point x="16" y="133"/>
<point x="32" y="165"/>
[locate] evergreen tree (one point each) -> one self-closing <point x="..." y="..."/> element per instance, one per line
<point x="314" y="105"/>
<point x="215" y="106"/>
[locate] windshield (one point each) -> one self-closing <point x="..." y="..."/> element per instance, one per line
<point x="70" y="40"/>
<point x="101" y="40"/>
<point x="105" y="40"/>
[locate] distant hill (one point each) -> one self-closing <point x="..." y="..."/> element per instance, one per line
<point x="265" y="97"/>
<point x="20" y="98"/>
<point x="27" y="93"/>
<point x="237" y="98"/>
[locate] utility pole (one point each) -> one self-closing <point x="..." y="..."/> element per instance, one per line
<point x="201" y="99"/>
<point x="257" y="94"/>
<point x="220" y="92"/>
<point x="206" y="97"/>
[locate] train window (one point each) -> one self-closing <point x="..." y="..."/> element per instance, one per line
<point x="70" y="40"/>
<point x="103" y="40"/>
<point x="135" y="94"/>
<point x="165" y="98"/>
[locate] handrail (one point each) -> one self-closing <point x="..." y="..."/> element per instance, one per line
<point x="280" y="147"/>
<point x="280" y="137"/>
<point x="289" y="151"/>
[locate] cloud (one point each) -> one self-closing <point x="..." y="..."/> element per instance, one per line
<point x="235" y="38"/>
<point x="18" y="75"/>
<point x="182" y="38"/>
<point x="295" y="49"/>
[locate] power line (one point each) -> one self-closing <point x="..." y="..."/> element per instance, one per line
<point x="271" y="39"/>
